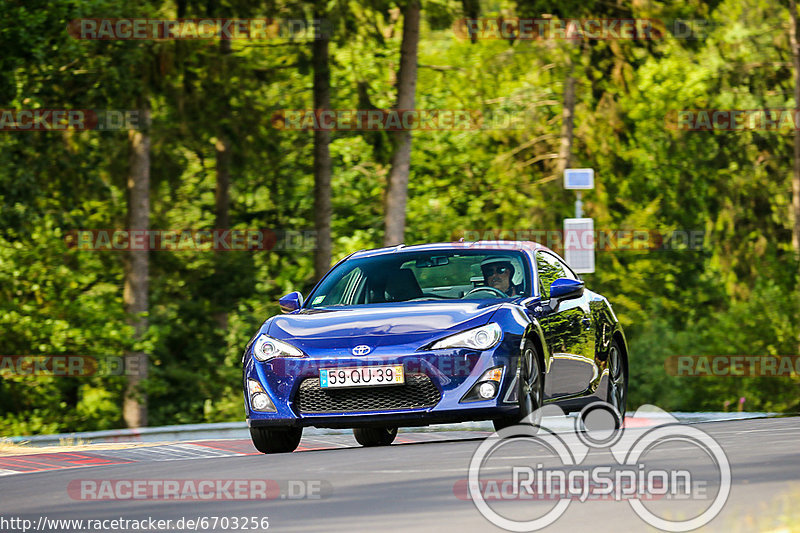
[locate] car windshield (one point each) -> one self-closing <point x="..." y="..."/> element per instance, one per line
<point x="421" y="276"/>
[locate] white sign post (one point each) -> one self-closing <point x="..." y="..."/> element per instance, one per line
<point x="579" y="242"/>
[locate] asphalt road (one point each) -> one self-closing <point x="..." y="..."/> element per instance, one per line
<point x="415" y="487"/>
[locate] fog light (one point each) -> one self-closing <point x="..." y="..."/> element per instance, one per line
<point x="486" y="387"/>
<point x="261" y="401"/>
<point x="487" y="390"/>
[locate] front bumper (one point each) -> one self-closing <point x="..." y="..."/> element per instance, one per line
<point x="452" y="372"/>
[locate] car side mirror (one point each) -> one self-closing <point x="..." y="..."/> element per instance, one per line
<point x="291" y="302"/>
<point x="566" y="289"/>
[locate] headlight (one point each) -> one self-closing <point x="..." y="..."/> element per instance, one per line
<point x="266" y="348"/>
<point x="481" y="338"/>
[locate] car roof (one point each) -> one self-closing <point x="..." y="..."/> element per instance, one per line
<point x="529" y="246"/>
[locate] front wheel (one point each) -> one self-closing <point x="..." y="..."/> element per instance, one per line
<point x="530" y="390"/>
<point x="375" y="436"/>
<point x="276" y="440"/>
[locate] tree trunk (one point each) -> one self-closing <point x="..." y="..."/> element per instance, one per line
<point x="223" y="156"/>
<point x="322" y="158"/>
<point x="796" y="175"/>
<point x="222" y="151"/>
<point x="795" y="214"/>
<point x="397" y="192"/>
<point x="223" y="148"/>
<point x="472" y="10"/>
<point x="567" y="120"/>
<point x="137" y="267"/>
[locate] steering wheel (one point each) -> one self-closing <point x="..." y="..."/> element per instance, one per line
<point x="487" y="288"/>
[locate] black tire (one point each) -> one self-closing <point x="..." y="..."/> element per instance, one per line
<point x="375" y="436"/>
<point x="531" y="389"/>
<point x="276" y="440"/>
<point x="617" y="390"/>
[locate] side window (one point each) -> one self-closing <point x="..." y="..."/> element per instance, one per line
<point x="550" y="269"/>
<point x="568" y="273"/>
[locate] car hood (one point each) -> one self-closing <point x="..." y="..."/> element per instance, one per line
<point x="380" y="326"/>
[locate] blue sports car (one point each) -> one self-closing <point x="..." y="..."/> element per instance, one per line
<point x="435" y="333"/>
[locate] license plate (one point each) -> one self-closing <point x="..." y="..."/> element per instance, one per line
<point x="367" y="376"/>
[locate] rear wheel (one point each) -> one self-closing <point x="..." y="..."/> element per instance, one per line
<point x="276" y="440"/>
<point x="531" y="390"/>
<point x="375" y="436"/>
<point x="617" y="394"/>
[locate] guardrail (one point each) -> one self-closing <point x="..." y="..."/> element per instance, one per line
<point x="145" y="434"/>
<point x="238" y="430"/>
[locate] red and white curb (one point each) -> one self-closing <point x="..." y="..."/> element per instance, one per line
<point x="207" y="449"/>
<point x="233" y="447"/>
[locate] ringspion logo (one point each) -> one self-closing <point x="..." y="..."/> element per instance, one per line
<point x="546" y="465"/>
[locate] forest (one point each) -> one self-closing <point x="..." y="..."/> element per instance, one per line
<point x="255" y="143"/>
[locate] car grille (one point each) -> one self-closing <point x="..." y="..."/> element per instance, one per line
<point x="417" y="392"/>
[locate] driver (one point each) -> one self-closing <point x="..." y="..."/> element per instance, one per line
<point x="498" y="272"/>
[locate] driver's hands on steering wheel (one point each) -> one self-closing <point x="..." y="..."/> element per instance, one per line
<point x="487" y="288"/>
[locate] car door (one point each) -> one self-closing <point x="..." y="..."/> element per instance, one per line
<point x="569" y="332"/>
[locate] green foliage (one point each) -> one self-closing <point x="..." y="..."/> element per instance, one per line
<point x="765" y="324"/>
<point x="735" y="295"/>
